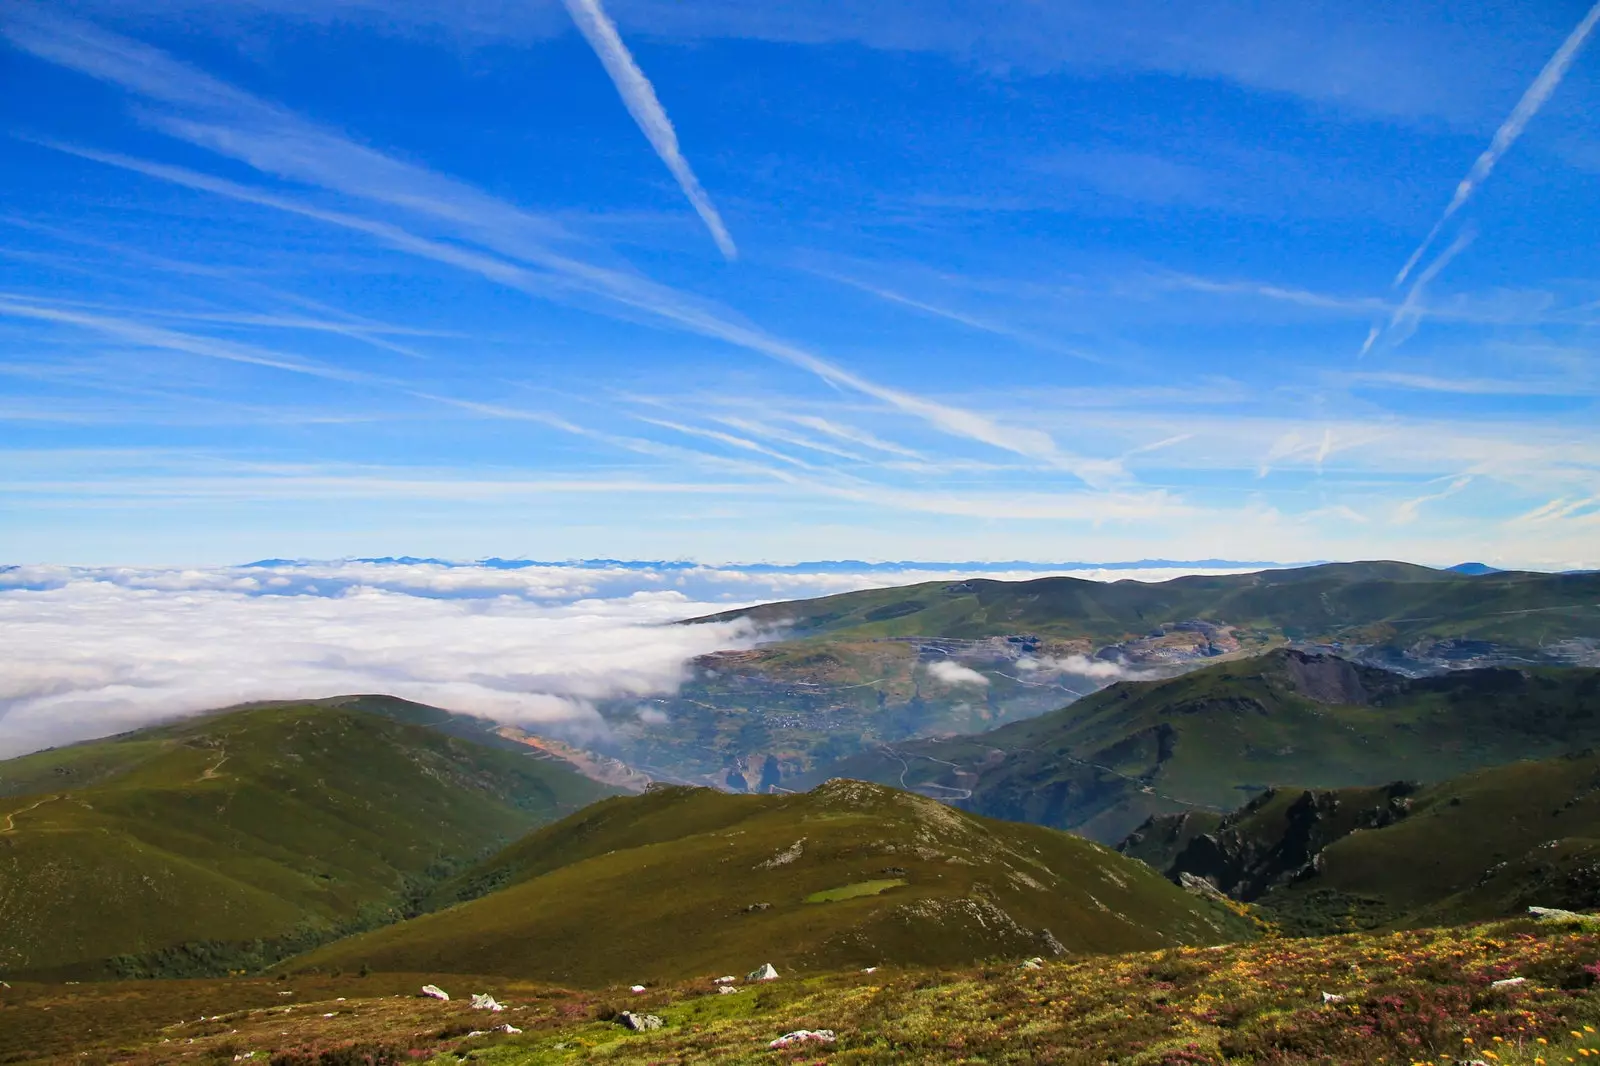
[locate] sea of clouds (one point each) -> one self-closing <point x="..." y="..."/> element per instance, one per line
<point x="93" y="651"/>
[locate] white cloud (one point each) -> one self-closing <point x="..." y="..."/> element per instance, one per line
<point x="1083" y="666"/>
<point x="953" y="673"/>
<point x="95" y="651"/>
<point x="640" y="97"/>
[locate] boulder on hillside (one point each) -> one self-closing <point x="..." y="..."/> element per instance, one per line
<point x="435" y="992"/>
<point x="766" y="973"/>
<point x="638" y="1022"/>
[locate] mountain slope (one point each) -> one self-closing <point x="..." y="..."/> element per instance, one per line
<point x="236" y="838"/>
<point x="1396" y="607"/>
<point x="691" y="881"/>
<point x="1207" y="739"/>
<point x="1482" y="845"/>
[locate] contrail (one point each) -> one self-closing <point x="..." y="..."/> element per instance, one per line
<point x="647" y="111"/>
<point x="1532" y="100"/>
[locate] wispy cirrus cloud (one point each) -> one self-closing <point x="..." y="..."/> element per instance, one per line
<point x="1533" y="98"/>
<point x="640" y="98"/>
<point x="492" y="238"/>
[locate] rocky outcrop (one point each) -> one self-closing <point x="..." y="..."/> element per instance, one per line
<point x="1271" y="842"/>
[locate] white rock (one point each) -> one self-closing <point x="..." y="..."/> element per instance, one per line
<point x="484" y="1001"/>
<point x="433" y="991"/>
<point x="766" y="973"/>
<point x="1509" y="982"/>
<point x="637" y="988"/>
<point x="509" y="1028"/>
<point x="1032" y="964"/>
<point x="1332" y="997"/>
<point x="639" y="1022"/>
<point x="724" y="980"/>
<point x="803" y="1036"/>
<point x="724" y="990"/>
<point x="869" y="969"/>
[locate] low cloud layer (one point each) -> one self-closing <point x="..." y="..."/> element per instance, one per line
<point x="96" y="651"/>
<point x="953" y="673"/>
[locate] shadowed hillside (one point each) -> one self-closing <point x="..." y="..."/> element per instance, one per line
<point x="234" y="839"/>
<point x="1209" y="739"/>
<point x="1486" y="844"/>
<point x="692" y="881"/>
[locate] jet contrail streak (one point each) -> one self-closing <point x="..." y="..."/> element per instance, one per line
<point x="1532" y="100"/>
<point x="640" y="98"/>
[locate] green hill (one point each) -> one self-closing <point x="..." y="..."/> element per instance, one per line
<point x="236" y="838"/>
<point x="1398" y="607"/>
<point x="1483" y="845"/>
<point x="850" y="672"/>
<point x="685" y="881"/>
<point x="1210" y="738"/>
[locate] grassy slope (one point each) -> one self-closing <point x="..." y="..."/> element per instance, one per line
<point x="276" y="822"/>
<point x="1482" y="845"/>
<point x="657" y="886"/>
<point x="1373" y="602"/>
<point x="1409" y="997"/>
<point x="1105" y="763"/>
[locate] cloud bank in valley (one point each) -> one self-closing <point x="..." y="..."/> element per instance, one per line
<point x="96" y="651"/>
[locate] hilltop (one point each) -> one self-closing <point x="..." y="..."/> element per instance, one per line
<point x="1396" y="609"/>
<point x="1480" y="845"/>
<point x="1208" y="739"/>
<point x="237" y="838"/>
<point x="684" y="881"/>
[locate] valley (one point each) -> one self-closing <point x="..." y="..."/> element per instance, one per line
<point x="848" y="674"/>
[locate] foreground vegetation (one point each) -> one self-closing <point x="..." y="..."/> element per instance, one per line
<point x="1404" y="998"/>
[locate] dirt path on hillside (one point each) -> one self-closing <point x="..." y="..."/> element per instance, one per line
<point x="11" y="818"/>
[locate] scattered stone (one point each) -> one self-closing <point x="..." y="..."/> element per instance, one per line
<point x="638" y="1022"/>
<point x="1556" y="914"/>
<point x="1332" y="997"/>
<point x="509" y="1028"/>
<point x="1509" y="982"/>
<point x="895" y="871"/>
<point x="803" y="1036"/>
<point x="730" y="979"/>
<point x="484" y="1001"/>
<point x="432" y="991"/>
<point x="477" y="1032"/>
<point x="334" y="1013"/>
<point x="636" y="988"/>
<point x="869" y="969"/>
<point x="1035" y="963"/>
<point x="1051" y="944"/>
<point x="726" y="990"/>
<point x="758" y="907"/>
<point x="766" y="973"/>
<point x="784" y="857"/>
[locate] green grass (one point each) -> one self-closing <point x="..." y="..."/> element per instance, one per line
<point x="1420" y="996"/>
<point x="1384" y="603"/>
<point x="233" y="839"/>
<point x="665" y="885"/>
<point x="860" y="888"/>
<point x="1210" y="739"/>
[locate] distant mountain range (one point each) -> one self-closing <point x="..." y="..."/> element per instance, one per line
<point x="849" y="673"/>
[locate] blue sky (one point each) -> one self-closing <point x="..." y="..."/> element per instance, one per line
<point x="741" y="281"/>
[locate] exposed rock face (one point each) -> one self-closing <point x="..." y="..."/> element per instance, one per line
<point x="1265" y="843"/>
<point x="1326" y="678"/>
<point x="638" y="1022"/>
